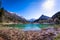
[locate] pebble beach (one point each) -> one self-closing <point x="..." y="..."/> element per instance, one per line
<point x="18" y="34"/>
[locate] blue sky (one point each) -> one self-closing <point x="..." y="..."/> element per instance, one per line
<point x="32" y="8"/>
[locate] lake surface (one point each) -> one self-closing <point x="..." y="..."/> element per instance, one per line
<point x="31" y="26"/>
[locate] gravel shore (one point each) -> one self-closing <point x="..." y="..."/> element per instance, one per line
<point x="17" y="34"/>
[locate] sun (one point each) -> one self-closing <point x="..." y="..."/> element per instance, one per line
<point x="48" y="7"/>
<point x="48" y="4"/>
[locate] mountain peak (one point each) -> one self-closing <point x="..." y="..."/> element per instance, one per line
<point x="43" y="17"/>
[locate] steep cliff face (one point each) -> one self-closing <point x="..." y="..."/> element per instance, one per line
<point x="11" y="17"/>
<point x="56" y="17"/>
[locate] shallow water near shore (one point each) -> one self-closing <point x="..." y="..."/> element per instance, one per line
<point x="31" y="26"/>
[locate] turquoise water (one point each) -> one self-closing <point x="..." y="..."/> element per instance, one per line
<point x="31" y="26"/>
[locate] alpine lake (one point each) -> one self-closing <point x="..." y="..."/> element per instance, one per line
<point x="32" y="26"/>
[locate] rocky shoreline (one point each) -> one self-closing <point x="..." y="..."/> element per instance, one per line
<point x="17" y="34"/>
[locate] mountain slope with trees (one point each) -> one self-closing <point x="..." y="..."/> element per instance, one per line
<point x="56" y="18"/>
<point x="10" y="17"/>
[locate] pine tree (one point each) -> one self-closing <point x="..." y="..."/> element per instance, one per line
<point x="1" y="12"/>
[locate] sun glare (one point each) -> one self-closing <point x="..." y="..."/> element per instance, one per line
<point x="48" y="7"/>
<point x="48" y="4"/>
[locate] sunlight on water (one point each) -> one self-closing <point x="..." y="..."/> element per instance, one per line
<point x="31" y="27"/>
